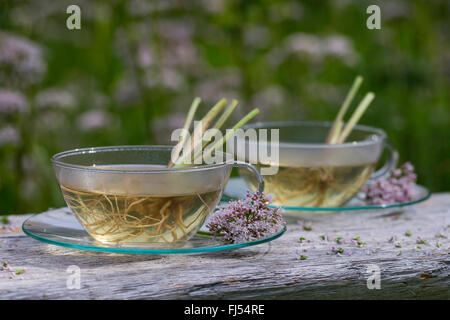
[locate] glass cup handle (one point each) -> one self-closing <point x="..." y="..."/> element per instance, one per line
<point x="252" y="169"/>
<point x="390" y="164"/>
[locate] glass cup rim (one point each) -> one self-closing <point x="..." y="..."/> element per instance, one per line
<point x="56" y="160"/>
<point x="380" y="133"/>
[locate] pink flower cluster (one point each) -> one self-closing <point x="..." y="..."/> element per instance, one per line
<point x="246" y="220"/>
<point x="12" y="102"/>
<point x="21" y="61"/>
<point x="398" y="187"/>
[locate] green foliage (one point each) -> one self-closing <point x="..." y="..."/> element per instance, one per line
<point x="135" y="66"/>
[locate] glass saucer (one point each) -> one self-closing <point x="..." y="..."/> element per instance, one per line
<point x="61" y="228"/>
<point x="236" y="189"/>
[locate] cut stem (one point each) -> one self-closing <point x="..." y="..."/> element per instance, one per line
<point x="335" y="130"/>
<point x="223" y="118"/>
<point x="226" y="114"/>
<point x="184" y="135"/>
<point x="197" y="143"/>
<point x="362" y="107"/>
<point x="229" y="134"/>
<point x="215" y="110"/>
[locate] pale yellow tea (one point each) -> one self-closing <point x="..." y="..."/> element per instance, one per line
<point x="315" y="186"/>
<point x="114" y="218"/>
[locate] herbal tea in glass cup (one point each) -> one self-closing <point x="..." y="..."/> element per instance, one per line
<point x="312" y="173"/>
<point x="126" y="194"/>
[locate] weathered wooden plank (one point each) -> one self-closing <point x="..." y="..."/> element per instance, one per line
<point x="268" y="271"/>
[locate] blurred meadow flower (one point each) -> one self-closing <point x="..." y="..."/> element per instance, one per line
<point x="145" y="56"/>
<point x="172" y="79"/>
<point x="45" y="18"/>
<point x="50" y="120"/>
<point x="327" y="92"/>
<point x="164" y="77"/>
<point x="342" y="4"/>
<point x="121" y="46"/>
<point x="395" y="9"/>
<point x="162" y="127"/>
<point x="29" y="163"/>
<point x="315" y="48"/>
<point x="36" y="14"/>
<point x="224" y="82"/>
<point x="286" y="10"/>
<point x="256" y="36"/>
<point x="127" y="92"/>
<point x="21" y="61"/>
<point x="214" y="6"/>
<point x="305" y="43"/>
<point x="182" y="53"/>
<point x="175" y="29"/>
<point x="142" y="8"/>
<point x="55" y="98"/>
<point x="29" y="187"/>
<point x="12" y="102"/>
<point x="94" y="120"/>
<point x="9" y="135"/>
<point x="209" y="91"/>
<point x="33" y="12"/>
<point x="269" y="99"/>
<point x="175" y="41"/>
<point x="177" y="44"/>
<point x="340" y="46"/>
<point x="98" y="100"/>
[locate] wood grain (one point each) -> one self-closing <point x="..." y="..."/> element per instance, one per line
<point x="267" y="271"/>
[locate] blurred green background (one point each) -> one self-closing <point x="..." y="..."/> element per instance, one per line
<point x="129" y="75"/>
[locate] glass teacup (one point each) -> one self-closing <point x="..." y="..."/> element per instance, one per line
<point x="126" y="194"/>
<point x="312" y="173"/>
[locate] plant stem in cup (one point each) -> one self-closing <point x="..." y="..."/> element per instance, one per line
<point x="187" y="125"/>
<point x="337" y="125"/>
<point x="194" y="152"/>
<point x="338" y="133"/>
<point x="362" y="107"/>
